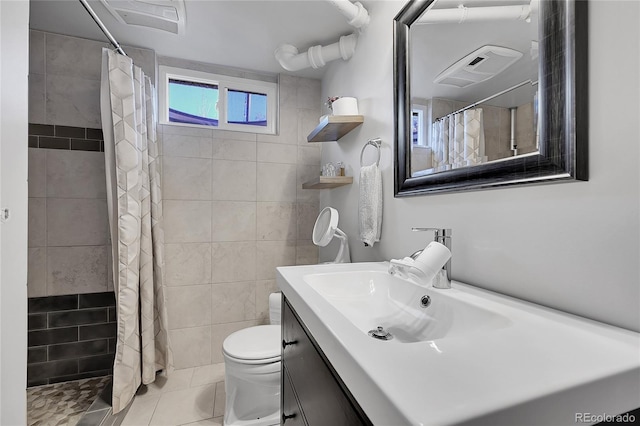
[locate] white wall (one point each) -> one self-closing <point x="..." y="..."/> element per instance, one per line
<point x="14" y="62"/>
<point x="571" y="246"/>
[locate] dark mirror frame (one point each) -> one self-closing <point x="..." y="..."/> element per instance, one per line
<point x="562" y="106"/>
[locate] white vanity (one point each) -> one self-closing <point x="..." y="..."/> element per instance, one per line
<point x="458" y="356"/>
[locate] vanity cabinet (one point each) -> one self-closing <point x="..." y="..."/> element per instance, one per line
<point x="312" y="392"/>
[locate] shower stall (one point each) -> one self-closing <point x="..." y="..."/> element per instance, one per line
<point x="72" y="315"/>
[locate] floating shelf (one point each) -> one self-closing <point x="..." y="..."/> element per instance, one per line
<point x="327" y="182"/>
<point x="333" y="127"/>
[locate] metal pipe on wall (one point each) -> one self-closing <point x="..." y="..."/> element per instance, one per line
<point x="514" y="146"/>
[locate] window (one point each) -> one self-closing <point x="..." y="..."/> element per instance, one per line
<point x="193" y="98"/>
<point x="193" y="103"/>
<point x="247" y="108"/>
<point x="418" y="128"/>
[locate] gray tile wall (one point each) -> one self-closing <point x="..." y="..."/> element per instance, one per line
<point x="234" y="210"/>
<point x="64" y="78"/>
<point x="69" y="245"/>
<point x="70" y="337"/>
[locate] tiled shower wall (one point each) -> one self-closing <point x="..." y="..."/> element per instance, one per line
<point x="70" y="337"/>
<point x="68" y="228"/>
<point x="64" y="78"/>
<point x="234" y="210"/>
<point x="69" y="245"/>
<point x="71" y="302"/>
<point x="234" y="207"/>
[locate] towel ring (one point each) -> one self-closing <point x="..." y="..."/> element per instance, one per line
<point x="376" y="142"/>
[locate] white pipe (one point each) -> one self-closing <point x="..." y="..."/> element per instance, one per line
<point x="316" y="56"/>
<point x="476" y="14"/>
<point x="355" y="13"/>
<point x="513" y="147"/>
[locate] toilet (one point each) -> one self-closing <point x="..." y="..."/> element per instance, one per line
<point x="252" y="372"/>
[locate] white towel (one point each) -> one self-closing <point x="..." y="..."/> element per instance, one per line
<point x="370" y="204"/>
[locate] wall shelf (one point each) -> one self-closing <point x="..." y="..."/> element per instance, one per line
<point x="328" y="182"/>
<point x="333" y="127"/>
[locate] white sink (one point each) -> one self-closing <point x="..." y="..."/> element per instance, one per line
<point x="471" y="357"/>
<point x="371" y="299"/>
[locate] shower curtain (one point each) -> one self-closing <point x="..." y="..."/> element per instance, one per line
<point x="134" y="202"/>
<point x="458" y="140"/>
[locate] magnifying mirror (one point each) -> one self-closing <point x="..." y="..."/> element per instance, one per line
<point x="326" y="228"/>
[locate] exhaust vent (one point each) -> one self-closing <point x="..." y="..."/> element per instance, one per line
<point x="164" y="15"/>
<point x="480" y="65"/>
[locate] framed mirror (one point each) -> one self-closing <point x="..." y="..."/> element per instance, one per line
<point x="489" y="93"/>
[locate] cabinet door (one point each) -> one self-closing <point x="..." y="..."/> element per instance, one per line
<point x="291" y="413"/>
<point x="321" y="396"/>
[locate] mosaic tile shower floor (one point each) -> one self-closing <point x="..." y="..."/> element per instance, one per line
<point x="62" y="404"/>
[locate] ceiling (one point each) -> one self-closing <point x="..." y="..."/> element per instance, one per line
<point x="237" y="33"/>
<point x="435" y="47"/>
<point x="245" y="33"/>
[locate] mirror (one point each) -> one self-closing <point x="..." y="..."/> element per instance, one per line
<point x="489" y="93"/>
<point x="325" y="228"/>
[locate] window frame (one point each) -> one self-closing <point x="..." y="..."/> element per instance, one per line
<point x="224" y="83"/>
<point x="421" y="111"/>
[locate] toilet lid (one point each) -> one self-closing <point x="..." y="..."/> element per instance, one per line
<point x="259" y="342"/>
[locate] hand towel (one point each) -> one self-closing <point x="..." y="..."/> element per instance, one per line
<point x="370" y="204"/>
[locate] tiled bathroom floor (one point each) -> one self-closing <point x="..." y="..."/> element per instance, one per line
<point x="62" y="404"/>
<point x="192" y="396"/>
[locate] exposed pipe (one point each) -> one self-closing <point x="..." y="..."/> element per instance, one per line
<point x="316" y="56"/>
<point x="355" y="13"/>
<point x="514" y="146"/>
<point x="478" y="14"/>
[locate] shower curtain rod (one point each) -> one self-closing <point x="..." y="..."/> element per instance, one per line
<point x="533" y="83"/>
<point x="102" y="27"/>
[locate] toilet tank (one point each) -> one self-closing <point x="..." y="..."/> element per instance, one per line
<point x="275" y="308"/>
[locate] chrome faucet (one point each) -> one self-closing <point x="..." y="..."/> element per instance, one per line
<point x="443" y="236"/>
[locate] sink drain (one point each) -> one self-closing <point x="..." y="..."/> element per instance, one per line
<point x="380" y="333"/>
<point x="425" y="301"/>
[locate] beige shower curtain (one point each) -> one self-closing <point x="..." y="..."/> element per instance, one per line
<point x="458" y="140"/>
<point x="135" y="218"/>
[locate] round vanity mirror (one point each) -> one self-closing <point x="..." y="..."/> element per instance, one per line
<point x="326" y="228"/>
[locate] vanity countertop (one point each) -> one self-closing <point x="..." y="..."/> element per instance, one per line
<point x="544" y="367"/>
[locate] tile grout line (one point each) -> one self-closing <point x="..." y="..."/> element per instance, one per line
<point x="215" y="394"/>
<point x="155" y="407"/>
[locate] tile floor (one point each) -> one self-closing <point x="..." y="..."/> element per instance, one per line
<point x="62" y="404"/>
<point x="191" y="396"/>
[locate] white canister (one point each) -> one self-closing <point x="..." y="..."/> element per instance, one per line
<point x="432" y="259"/>
<point x="345" y="106"/>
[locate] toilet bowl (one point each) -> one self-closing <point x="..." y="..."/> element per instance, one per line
<point x="252" y="372"/>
